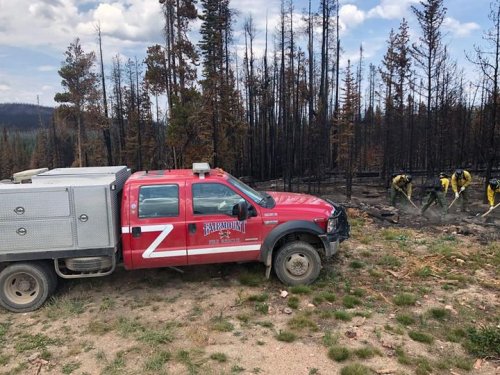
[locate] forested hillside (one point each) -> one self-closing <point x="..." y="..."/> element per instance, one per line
<point x="24" y="117"/>
<point x="293" y="111"/>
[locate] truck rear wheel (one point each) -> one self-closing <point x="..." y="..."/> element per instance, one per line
<point x="25" y="286"/>
<point x="297" y="263"/>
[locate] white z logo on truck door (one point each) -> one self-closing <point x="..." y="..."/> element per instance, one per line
<point x="164" y="232"/>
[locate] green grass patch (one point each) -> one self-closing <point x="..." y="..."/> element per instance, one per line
<point x="261" y="307"/>
<point x="302" y="321"/>
<point x="438" y="313"/>
<point x="117" y="366"/>
<point x="421" y="337"/>
<point x="397" y="330"/>
<point x="376" y="274"/>
<point x="39" y="341"/>
<point x="423" y="366"/>
<point x="218" y="357"/>
<point x="445" y="248"/>
<point x="317" y="300"/>
<point x="155" y="337"/>
<point x="389" y="261"/>
<point x="258" y="297"/>
<point x="107" y="304"/>
<point x="330" y="339"/>
<point x="390" y="234"/>
<point x="127" y="327"/>
<point x="236" y="369"/>
<point x="405" y="299"/>
<point x="424" y="272"/>
<point x="358" y="292"/>
<point x="221" y="324"/>
<point x="4" y="359"/>
<point x="483" y="342"/>
<point x="342" y="315"/>
<point x="402" y="357"/>
<point x="455" y="334"/>
<point x="366" y="352"/>
<point x="405" y="319"/>
<point x="328" y="296"/>
<point x="99" y="327"/>
<point x="286" y="336"/>
<point x="68" y="368"/>
<point x="265" y="324"/>
<point x="244" y="318"/>
<point x="356" y="264"/>
<point x="338" y="353"/>
<point x="251" y="279"/>
<point x="4" y="328"/>
<point x="355" y="369"/>
<point x="157" y="361"/>
<point x="350" y="302"/>
<point x="293" y="302"/>
<point x="64" y="307"/>
<point x="192" y="359"/>
<point x="301" y="289"/>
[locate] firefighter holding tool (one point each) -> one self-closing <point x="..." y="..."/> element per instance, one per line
<point x="460" y="182"/>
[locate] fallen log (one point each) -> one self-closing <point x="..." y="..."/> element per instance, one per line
<point x="382" y="214"/>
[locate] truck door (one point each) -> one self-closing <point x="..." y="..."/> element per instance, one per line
<point x="214" y="234"/>
<point x="157" y="227"/>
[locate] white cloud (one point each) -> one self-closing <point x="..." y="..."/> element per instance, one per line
<point x="350" y="16"/>
<point x="47" y="68"/>
<point x="4" y="87"/>
<point x="460" y="29"/>
<point x="55" y="24"/>
<point x="391" y="9"/>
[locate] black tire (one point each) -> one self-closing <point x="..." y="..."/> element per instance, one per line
<point x="53" y="278"/>
<point x="25" y="286"/>
<point x="297" y="263"/>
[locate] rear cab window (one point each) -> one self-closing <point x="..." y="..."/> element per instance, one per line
<point x="158" y="201"/>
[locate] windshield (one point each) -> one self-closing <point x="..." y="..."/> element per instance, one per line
<point x="251" y="193"/>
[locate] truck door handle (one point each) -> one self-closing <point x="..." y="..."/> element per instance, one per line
<point x="192" y="228"/>
<point x="136" y="232"/>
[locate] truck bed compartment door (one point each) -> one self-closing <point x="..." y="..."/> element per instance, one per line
<point x="92" y="216"/>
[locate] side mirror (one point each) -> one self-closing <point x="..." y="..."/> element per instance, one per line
<point x="240" y="210"/>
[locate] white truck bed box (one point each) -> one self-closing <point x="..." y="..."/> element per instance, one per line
<point x="62" y="211"/>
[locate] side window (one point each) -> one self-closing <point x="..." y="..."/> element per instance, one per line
<point x="213" y="199"/>
<point x="159" y="201"/>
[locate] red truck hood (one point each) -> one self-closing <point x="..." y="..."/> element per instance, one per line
<point x="303" y="204"/>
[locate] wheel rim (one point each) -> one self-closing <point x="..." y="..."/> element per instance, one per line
<point x="297" y="265"/>
<point x="21" y="288"/>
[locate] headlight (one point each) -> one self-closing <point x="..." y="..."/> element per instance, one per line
<point x="330" y="227"/>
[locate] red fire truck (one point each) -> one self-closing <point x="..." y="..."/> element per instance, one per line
<point x="81" y="222"/>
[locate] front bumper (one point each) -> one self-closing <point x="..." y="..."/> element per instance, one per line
<point x="342" y="229"/>
<point x="340" y="233"/>
<point x="331" y="247"/>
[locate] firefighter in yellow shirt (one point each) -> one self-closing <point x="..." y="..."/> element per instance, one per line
<point x="493" y="187"/>
<point x="436" y="190"/>
<point x="460" y="181"/>
<point x="401" y="184"/>
<point x="445" y="182"/>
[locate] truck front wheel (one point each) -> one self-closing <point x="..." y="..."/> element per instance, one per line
<point x="25" y="286"/>
<point x="297" y="263"/>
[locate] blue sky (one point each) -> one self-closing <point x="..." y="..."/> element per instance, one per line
<point x="35" y="33"/>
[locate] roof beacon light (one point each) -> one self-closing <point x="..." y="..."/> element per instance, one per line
<point x="201" y="169"/>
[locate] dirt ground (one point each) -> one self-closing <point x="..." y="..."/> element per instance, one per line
<point x="398" y="299"/>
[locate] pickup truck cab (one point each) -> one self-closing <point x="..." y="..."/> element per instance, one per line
<point x="199" y="216"/>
